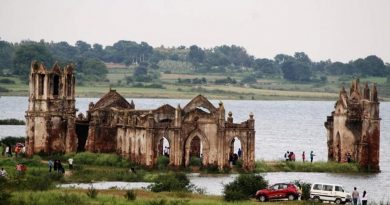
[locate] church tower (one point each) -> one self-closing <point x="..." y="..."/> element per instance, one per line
<point x="51" y="111"/>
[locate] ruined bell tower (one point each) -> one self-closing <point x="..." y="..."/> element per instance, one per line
<point x="51" y="111"/>
<point x="353" y="128"/>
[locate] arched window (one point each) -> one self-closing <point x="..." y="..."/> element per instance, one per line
<point x="56" y="84"/>
<point x="41" y="83"/>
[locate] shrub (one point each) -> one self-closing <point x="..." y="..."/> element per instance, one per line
<point x="162" y="162"/>
<point x="4" y="90"/>
<point x="5" y="195"/>
<point x="38" y="182"/>
<point x="92" y="192"/>
<point x="67" y="198"/>
<point x="100" y="159"/>
<point x="195" y="161"/>
<point x="305" y="188"/>
<point x="243" y="187"/>
<point x="157" y="202"/>
<point x="211" y="168"/>
<point x="12" y="140"/>
<point x="170" y="182"/>
<point x="7" y="81"/>
<point x="130" y="195"/>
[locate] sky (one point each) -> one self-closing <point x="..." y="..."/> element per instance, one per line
<point x="340" y="30"/>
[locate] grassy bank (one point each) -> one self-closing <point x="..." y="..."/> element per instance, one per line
<point x="74" y="196"/>
<point x="329" y="167"/>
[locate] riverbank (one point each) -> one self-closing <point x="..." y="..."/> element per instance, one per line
<point x="114" y="196"/>
<point x="321" y="166"/>
<point x="111" y="167"/>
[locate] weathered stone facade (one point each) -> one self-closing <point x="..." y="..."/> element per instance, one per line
<point x="199" y="129"/>
<point x="354" y="127"/>
<point x="51" y="111"/>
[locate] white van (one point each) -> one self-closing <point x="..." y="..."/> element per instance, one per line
<point x="329" y="192"/>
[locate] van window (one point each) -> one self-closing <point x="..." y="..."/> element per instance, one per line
<point x="317" y="187"/>
<point x="339" y="188"/>
<point x="327" y="188"/>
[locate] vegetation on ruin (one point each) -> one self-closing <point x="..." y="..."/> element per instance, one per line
<point x="223" y="72"/>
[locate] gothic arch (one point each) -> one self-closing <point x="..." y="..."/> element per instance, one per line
<point x="205" y="143"/>
<point x="244" y="147"/>
<point x="169" y="138"/>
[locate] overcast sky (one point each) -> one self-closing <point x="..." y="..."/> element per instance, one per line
<point x="339" y="30"/>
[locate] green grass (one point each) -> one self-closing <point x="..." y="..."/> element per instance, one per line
<point x="264" y="89"/>
<point x="75" y="196"/>
<point x="328" y="167"/>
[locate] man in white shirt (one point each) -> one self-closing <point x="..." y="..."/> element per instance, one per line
<point x="70" y="161"/>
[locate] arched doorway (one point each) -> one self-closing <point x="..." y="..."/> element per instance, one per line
<point x="196" y="150"/>
<point x="196" y="154"/>
<point x="235" y="151"/>
<point x="163" y="148"/>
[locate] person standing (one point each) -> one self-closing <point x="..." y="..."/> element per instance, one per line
<point x="50" y="164"/>
<point x="3" y="173"/>
<point x="364" y="198"/>
<point x="55" y="166"/>
<point x="6" y="151"/>
<point x="355" y="196"/>
<point x="70" y="161"/>
<point x="312" y="156"/>
<point x="286" y="155"/>
<point x="303" y="156"/>
<point x="292" y="156"/>
<point x="349" y="160"/>
<point x="239" y="152"/>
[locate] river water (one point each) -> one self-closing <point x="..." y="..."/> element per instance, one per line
<point x="280" y="126"/>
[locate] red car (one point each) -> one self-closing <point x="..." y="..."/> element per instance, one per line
<point x="279" y="191"/>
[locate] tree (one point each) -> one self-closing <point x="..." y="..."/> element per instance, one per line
<point x="296" y="71"/>
<point x="83" y="46"/>
<point x="375" y="66"/>
<point x="62" y="51"/>
<point x="196" y="54"/>
<point x="28" y="51"/>
<point x="91" y="67"/>
<point x="6" y="54"/>
<point x="265" y="67"/>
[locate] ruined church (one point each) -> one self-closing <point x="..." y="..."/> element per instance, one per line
<point x="353" y="129"/>
<point x="113" y="125"/>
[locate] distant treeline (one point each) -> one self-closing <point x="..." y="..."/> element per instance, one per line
<point x="11" y="121"/>
<point x="15" y="59"/>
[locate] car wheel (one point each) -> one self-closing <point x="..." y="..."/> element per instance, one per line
<point x="262" y="198"/>
<point x="317" y="199"/>
<point x="291" y="197"/>
<point x="338" y="201"/>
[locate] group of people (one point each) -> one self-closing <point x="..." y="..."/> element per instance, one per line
<point x="19" y="148"/>
<point x="233" y="157"/>
<point x="356" y="197"/>
<point x="290" y="156"/>
<point x="57" y="165"/>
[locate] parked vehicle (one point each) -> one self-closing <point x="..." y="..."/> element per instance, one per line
<point x="329" y="192"/>
<point x="279" y="191"/>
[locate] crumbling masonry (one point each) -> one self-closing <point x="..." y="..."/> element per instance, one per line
<point x="113" y="125"/>
<point x="354" y="127"/>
